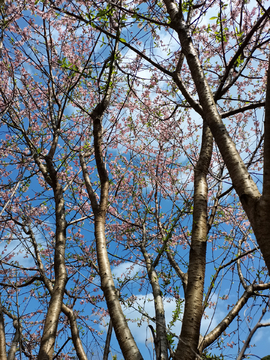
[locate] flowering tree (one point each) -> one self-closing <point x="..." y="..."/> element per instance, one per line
<point x="132" y="156"/>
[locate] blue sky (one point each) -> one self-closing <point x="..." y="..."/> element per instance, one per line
<point x="228" y="283"/>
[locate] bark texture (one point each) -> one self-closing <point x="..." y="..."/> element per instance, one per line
<point x="66" y="310"/>
<point x="189" y="338"/>
<point x="55" y="305"/>
<point x="161" y="344"/>
<point x="15" y="340"/>
<point x="125" y="339"/>
<point x="3" y="354"/>
<point x="262" y="227"/>
<point x="123" y="334"/>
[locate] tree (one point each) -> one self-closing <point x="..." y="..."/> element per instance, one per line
<point x="120" y="148"/>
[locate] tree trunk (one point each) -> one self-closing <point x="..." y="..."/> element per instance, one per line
<point x="53" y="313"/>
<point x="161" y="343"/>
<point x="3" y="353"/>
<point x="189" y="338"/>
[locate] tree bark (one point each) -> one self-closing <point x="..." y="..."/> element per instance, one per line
<point x="15" y="340"/>
<point x="161" y="343"/>
<point x="125" y="339"/>
<point x="262" y="227"/>
<point x="108" y="341"/>
<point x="3" y="353"/>
<point x="55" y="305"/>
<point x="187" y="348"/>
<point x="255" y="205"/>
<point x="67" y="311"/>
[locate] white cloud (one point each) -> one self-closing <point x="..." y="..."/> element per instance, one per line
<point x="126" y="270"/>
<point x="142" y="311"/>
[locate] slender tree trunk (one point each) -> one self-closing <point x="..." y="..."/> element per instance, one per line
<point x="108" y="341"/>
<point x="125" y="339"/>
<point x="15" y="340"/>
<point x="262" y="228"/>
<point x="161" y="343"/>
<point x="67" y="311"/>
<point x="55" y="305"/>
<point x="189" y="338"/>
<point x="3" y="353"/>
<point x="74" y="332"/>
